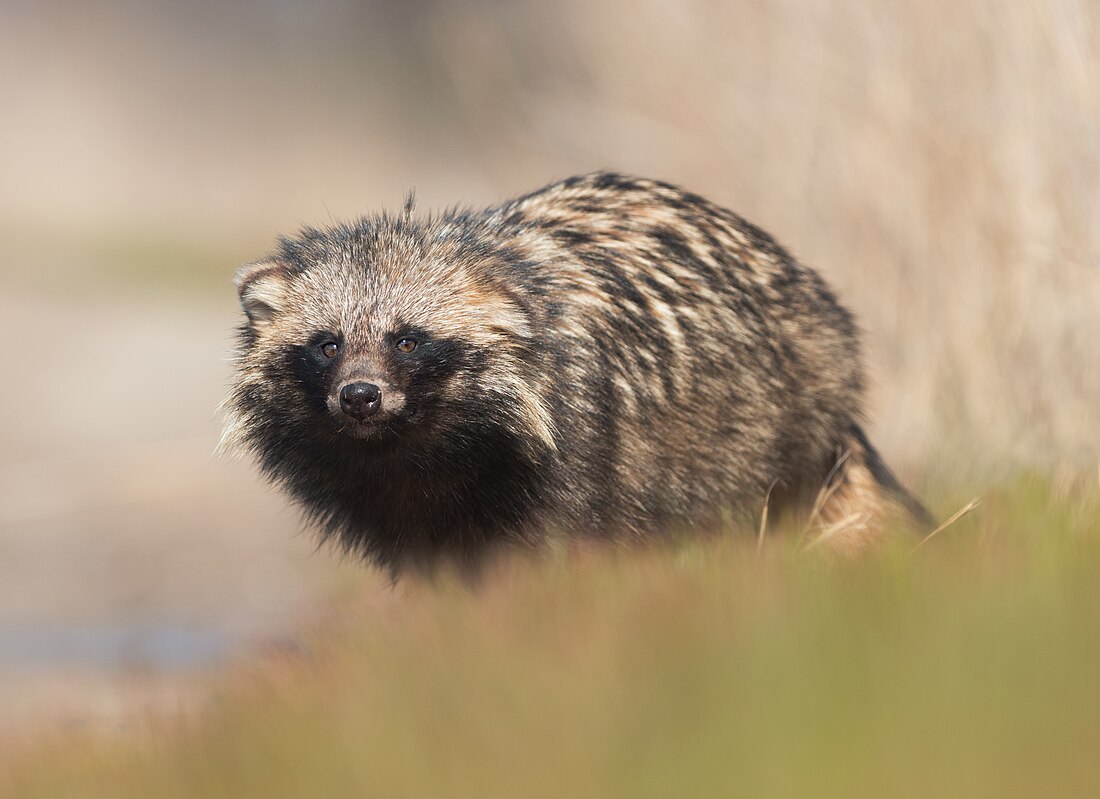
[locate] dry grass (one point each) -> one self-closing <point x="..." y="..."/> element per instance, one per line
<point x="704" y="668"/>
<point x="969" y="507"/>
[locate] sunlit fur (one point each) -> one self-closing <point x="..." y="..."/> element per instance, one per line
<point x="607" y="356"/>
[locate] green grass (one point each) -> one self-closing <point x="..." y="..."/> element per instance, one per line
<point x="970" y="667"/>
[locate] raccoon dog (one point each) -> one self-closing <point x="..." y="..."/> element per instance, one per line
<point x="607" y="356"/>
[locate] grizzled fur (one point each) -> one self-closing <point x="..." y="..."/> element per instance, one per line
<point x="607" y="356"/>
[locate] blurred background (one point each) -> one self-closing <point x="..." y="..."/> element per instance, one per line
<point x="938" y="161"/>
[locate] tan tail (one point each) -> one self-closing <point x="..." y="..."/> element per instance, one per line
<point x="862" y="500"/>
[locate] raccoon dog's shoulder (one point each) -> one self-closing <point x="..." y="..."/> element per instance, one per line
<point x="605" y="356"/>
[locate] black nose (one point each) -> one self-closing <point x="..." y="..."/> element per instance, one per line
<point x="360" y="400"/>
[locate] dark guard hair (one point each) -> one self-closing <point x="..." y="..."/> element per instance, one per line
<point x="607" y="356"/>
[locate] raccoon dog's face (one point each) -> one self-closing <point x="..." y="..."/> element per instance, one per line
<point x="375" y="337"/>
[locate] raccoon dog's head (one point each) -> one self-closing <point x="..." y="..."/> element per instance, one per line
<point x="380" y="336"/>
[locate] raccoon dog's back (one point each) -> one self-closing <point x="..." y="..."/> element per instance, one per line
<point x="607" y="356"/>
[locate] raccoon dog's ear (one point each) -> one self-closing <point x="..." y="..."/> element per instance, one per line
<point x="262" y="287"/>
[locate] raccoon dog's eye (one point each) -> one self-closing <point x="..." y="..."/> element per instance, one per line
<point x="407" y="344"/>
<point x="329" y="349"/>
